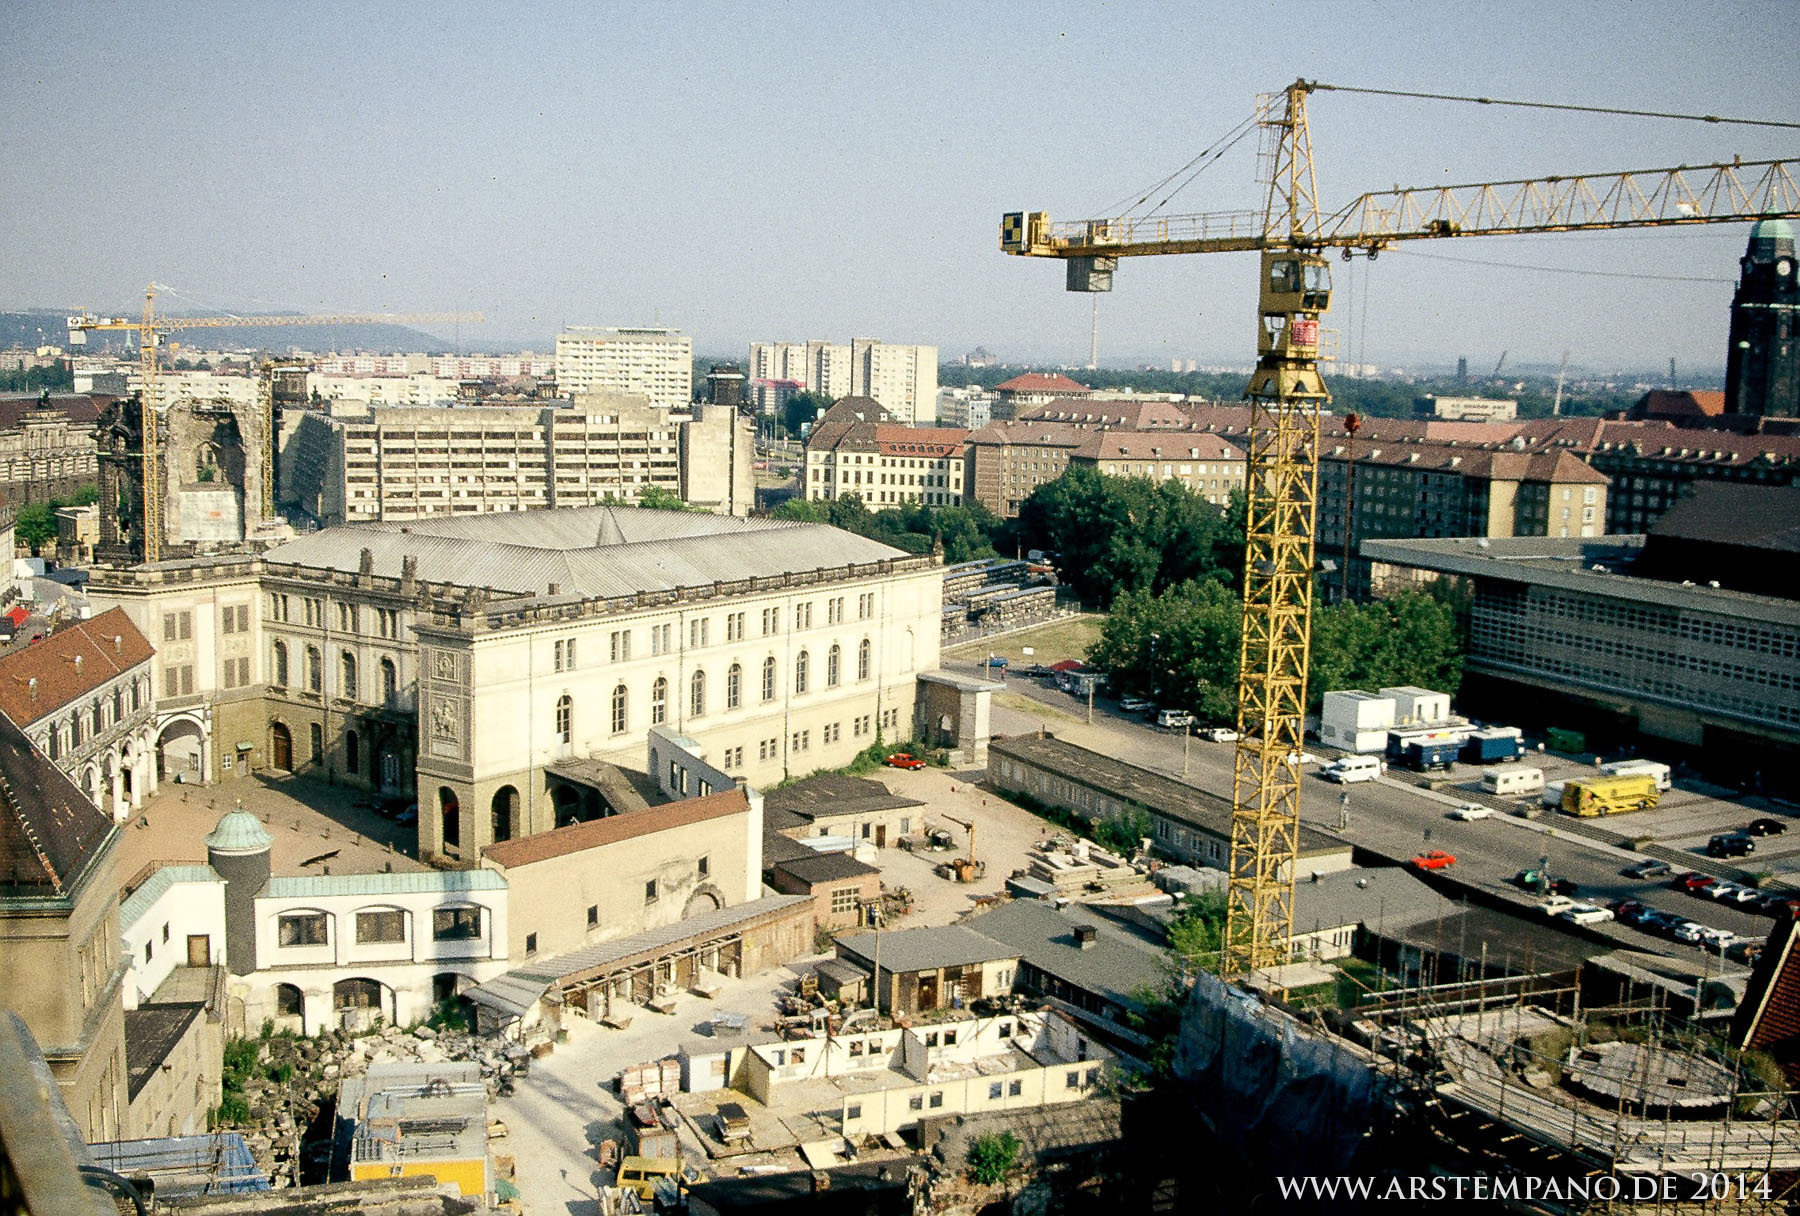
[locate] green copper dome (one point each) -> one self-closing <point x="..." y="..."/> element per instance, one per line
<point x="1770" y="237"/>
<point x="238" y="832"/>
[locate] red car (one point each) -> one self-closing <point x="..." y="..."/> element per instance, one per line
<point x="1437" y="859"/>
<point x="904" y="760"/>
<point x="1693" y="881"/>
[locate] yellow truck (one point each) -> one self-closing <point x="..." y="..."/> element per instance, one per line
<point x="1589" y="796"/>
<point x="641" y="1174"/>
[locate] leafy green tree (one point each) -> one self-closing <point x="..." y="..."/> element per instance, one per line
<point x="802" y="409"/>
<point x="35" y="525"/>
<point x="656" y="498"/>
<point x="1197" y="935"/>
<point x="85" y="495"/>
<point x="801" y="511"/>
<point x="1179" y="648"/>
<point x="992" y="1156"/>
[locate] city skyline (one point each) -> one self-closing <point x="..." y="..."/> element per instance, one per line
<point x="743" y="178"/>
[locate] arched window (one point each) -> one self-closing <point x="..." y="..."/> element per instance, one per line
<point x="734" y="686"/>
<point x="768" y="683"/>
<point x="565" y="718"/>
<point x="347" y="673"/>
<point x="315" y="669"/>
<point x="834" y="665"/>
<point x="618" y="710"/>
<point x="802" y="672"/>
<point x="99" y="718"/>
<point x="659" y="702"/>
<point x="862" y="660"/>
<point x="390" y="680"/>
<point x="697" y="694"/>
<point x="352" y="752"/>
<point x="281" y="664"/>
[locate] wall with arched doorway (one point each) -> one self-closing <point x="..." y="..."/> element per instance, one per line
<point x="183" y="750"/>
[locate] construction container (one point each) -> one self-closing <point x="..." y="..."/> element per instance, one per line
<point x="1495" y="745"/>
<point x="1590" y="796"/>
<point x="1413" y="706"/>
<point x="1561" y="739"/>
<point x="1423" y="755"/>
<point x="1355" y="720"/>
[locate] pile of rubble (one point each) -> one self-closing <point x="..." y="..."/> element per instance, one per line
<point x="297" y="1078"/>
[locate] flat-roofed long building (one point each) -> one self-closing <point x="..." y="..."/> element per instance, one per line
<point x="1561" y="632"/>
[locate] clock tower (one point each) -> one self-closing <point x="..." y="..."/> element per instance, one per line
<point x="1762" y="369"/>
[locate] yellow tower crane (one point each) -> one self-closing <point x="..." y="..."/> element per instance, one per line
<point x="150" y="330"/>
<point x="1286" y="393"/>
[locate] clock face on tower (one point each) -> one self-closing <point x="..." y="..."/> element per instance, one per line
<point x="1784" y="267"/>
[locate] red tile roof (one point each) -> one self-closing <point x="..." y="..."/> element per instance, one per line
<point x="626" y="826"/>
<point x="105" y="646"/>
<point x="1041" y="382"/>
<point x="919" y="440"/>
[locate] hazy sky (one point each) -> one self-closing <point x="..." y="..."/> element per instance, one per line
<point x="793" y="171"/>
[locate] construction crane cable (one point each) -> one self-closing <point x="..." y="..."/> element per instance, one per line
<point x="1552" y="105"/>
<point x="1597" y="274"/>
<point x="1125" y="205"/>
<point x="1196" y="173"/>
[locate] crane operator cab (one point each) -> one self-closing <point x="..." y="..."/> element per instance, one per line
<point x="1296" y="289"/>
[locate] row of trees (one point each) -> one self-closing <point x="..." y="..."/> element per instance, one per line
<point x="59" y="376"/>
<point x="966" y="532"/>
<point x="1119" y="535"/>
<point x="1179" y="647"/>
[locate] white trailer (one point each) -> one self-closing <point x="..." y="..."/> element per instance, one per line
<point x="1623" y="768"/>
<point x="1513" y="780"/>
<point x="1355" y="720"/>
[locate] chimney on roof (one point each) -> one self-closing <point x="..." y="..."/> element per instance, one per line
<point x="554" y="589"/>
<point x="77" y="664"/>
<point x="32" y="685"/>
<point x="1086" y="937"/>
<point x="118" y="643"/>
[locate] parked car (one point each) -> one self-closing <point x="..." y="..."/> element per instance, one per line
<point x="1135" y="705"/>
<point x="1660" y="922"/>
<point x="1766" y="827"/>
<point x="1532" y="879"/>
<point x="1775" y="903"/>
<point x="1650" y="867"/>
<point x="1436" y="859"/>
<point x="1744" y="950"/>
<point x="1556" y="905"/>
<point x="1626" y="908"/>
<point x="1640" y="917"/>
<point x="1173" y="719"/>
<point x="1689" y="932"/>
<point x="1298" y="758"/>
<point x="1741" y="896"/>
<point x="904" y="760"/>
<point x="1585" y="914"/>
<point x="1716" y="939"/>
<point x="1693" y="882"/>
<point x="1730" y="844"/>
<point x="1470" y="811"/>
<point x="409" y="815"/>
<point x="1724" y="892"/>
<point x="1219" y="734"/>
<point x="996" y="660"/>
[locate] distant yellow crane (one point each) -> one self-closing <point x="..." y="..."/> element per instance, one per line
<point x="150" y="331"/>
<point x="1287" y="392"/>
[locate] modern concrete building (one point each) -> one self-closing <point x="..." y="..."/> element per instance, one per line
<point x="413" y="463"/>
<point x="1563" y="632"/>
<point x="902" y="378"/>
<point x="655" y="363"/>
<point x="1467" y="409"/>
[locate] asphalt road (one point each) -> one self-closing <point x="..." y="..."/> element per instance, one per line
<point x="1396" y="820"/>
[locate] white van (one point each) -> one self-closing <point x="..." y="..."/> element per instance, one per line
<point x="1513" y="780"/>
<point x="1353" y="768"/>
<point x="1627" y="768"/>
<point x="1552" y="795"/>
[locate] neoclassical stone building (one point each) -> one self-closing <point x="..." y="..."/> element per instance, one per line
<point x="498" y="665"/>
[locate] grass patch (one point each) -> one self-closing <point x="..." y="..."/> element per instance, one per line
<point x="1052" y="642"/>
<point x="1035" y="709"/>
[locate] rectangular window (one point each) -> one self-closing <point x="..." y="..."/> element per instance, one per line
<point x="455" y="924"/>
<point x="530" y="944"/>
<point x="302" y="929"/>
<point x="803" y="615"/>
<point x="1014" y="1088"/>
<point x="385" y="926"/>
<point x="916" y="1102"/>
<point x="705" y="866"/>
<point x="621" y="645"/>
<point x="650" y="891"/>
<point x="1072" y="1081"/>
<point x="347" y="618"/>
<point x="843" y="899"/>
<point x="937" y="1099"/>
<point x="995" y="1089"/>
<point x="853" y="1111"/>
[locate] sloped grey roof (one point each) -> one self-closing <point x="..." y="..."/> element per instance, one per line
<point x="580" y="550"/>
<point x="1116" y="967"/>
<point x="926" y="948"/>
